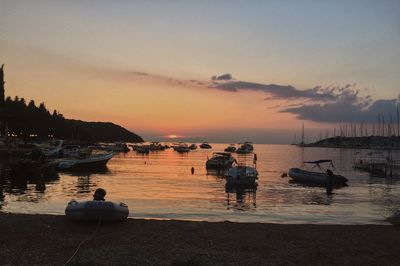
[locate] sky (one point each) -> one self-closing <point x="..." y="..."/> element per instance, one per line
<point x="218" y="71"/>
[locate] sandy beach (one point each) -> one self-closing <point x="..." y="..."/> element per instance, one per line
<point x="52" y="240"/>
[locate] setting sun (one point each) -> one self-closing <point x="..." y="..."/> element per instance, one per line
<point x="172" y="136"/>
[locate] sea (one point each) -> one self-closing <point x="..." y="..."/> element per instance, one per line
<point x="160" y="185"/>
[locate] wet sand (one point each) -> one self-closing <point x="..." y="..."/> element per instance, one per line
<point x="51" y="240"/>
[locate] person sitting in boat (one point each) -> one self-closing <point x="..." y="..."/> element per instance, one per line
<point x="99" y="194"/>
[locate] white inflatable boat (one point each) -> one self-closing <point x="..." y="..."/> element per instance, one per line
<point x="94" y="210"/>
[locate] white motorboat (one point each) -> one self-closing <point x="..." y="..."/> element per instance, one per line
<point x="220" y="160"/>
<point x="87" y="162"/>
<point x="95" y="210"/>
<point x="324" y="176"/>
<point x="241" y="175"/>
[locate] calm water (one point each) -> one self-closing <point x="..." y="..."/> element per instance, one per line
<point x="160" y="185"/>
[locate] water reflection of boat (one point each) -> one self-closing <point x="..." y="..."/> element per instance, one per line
<point x="324" y="177"/>
<point x="87" y="162"/>
<point x="245" y="197"/>
<point x="220" y="160"/>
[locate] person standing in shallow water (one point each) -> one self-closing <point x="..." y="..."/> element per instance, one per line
<point x="329" y="184"/>
<point x="99" y="194"/>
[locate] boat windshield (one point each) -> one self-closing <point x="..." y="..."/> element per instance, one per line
<point x="322" y="165"/>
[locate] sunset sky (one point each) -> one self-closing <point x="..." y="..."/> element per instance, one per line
<point x="218" y="71"/>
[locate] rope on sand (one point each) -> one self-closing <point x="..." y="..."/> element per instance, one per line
<point x="82" y="242"/>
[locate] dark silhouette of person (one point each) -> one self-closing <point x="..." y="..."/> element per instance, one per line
<point x="99" y="194"/>
<point x="329" y="184"/>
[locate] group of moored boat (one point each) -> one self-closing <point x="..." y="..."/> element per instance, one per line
<point x="377" y="162"/>
<point x="58" y="156"/>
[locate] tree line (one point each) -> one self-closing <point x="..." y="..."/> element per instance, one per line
<point x="30" y="121"/>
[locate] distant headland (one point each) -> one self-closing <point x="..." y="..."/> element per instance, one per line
<point x="26" y="121"/>
<point x="366" y="142"/>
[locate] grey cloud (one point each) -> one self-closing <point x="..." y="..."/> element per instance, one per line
<point x="140" y="73"/>
<point x="346" y="109"/>
<point x="279" y="91"/>
<point x="226" y="76"/>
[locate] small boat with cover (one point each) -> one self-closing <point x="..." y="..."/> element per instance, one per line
<point x="220" y="160"/>
<point x="324" y="177"/>
<point x="97" y="209"/>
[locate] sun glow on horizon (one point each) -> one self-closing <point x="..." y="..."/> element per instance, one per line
<point x="173" y="136"/>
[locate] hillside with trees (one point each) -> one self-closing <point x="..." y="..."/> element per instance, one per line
<point x="28" y="120"/>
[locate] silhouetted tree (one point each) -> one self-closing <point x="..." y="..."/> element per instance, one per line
<point x="29" y="119"/>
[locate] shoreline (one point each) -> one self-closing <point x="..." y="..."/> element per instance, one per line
<point x="52" y="239"/>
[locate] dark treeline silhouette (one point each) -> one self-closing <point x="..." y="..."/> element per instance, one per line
<point x="26" y="120"/>
<point x="365" y="142"/>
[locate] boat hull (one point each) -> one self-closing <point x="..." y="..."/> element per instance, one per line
<point x="322" y="179"/>
<point x="241" y="176"/>
<point x="219" y="164"/>
<point x="96" y="210"/>
<point x="84" y="164"/>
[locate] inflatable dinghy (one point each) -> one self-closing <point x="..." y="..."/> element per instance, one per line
<point x="94" y="210"/>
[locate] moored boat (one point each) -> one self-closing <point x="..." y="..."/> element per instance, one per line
<point x="373" y="162"/>
<point x="156" y="146"/>
<point x="205" y="145"/>
<point x="230" y="148"/>
<point x="241" y="175"/>
<point x="95" y="210"/>
<point x="324" y="177"/>
<point x="245" y="148"/>
<point x="220" y="160"/>
<point x="87" y="162"/>
<point x="193" y="146"/>
<point x="183" y="148"/>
